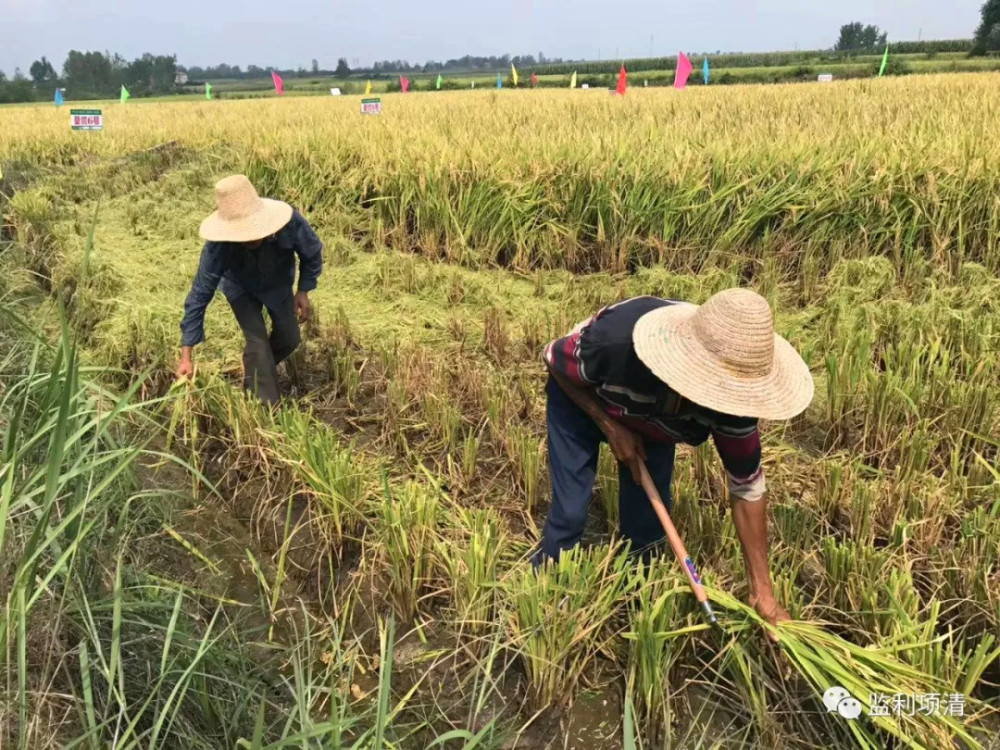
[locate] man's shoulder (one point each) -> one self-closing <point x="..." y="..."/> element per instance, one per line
<point x="213" y="248"/>
<point x="298" y="221"/>
<point x="297" y="230"/>
<point x="294" y="223"/>
<point x="639" y="305"/>
<point x="622" y="316"/>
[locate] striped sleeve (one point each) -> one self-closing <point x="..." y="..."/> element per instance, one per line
<point x="739" y="448"/>
<point x="562" y="356"/>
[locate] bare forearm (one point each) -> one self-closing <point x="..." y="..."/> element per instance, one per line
<point x="751" y="527"/>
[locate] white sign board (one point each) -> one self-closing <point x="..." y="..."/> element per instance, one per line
<point x="371" y="106"/>
<point x="585" y="86"/>
<point x="826" y="78"/>
<point x="86" y="119"/>
<point x="334" y="92"/>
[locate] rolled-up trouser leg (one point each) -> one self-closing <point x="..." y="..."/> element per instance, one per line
<point x="260" y="371"/>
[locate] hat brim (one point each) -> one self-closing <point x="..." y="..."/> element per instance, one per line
<point x="268" y="218"/>
<point x="664" y="340"/>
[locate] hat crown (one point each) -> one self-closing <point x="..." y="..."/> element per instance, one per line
<point x="738" y="328"/>
<point x="236" y="198"/>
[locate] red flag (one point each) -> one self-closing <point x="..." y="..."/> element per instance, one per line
<point x="534" y="80"/>
<point x="404" y="83"/>
<point x="279" y="85"/>
<point x="683" y="71"/>
<point x="622" y="80"/>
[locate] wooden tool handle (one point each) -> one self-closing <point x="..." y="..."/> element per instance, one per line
<point x="675" y="541"/>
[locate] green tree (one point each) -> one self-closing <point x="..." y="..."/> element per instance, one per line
<point x="103" y="73"/>
<point x="315" y="66"/>
<point x="19" y="89"/>
<point x="88" y="71"/>
<point x="856" y="37"/>
<point x="42" y="71"/>
<point x="988" y="33"/>
<point x="343" y="69"/>
<point x="151" y="74"/>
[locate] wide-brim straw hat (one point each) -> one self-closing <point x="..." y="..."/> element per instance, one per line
<point x="242" y="215"/>
<point x="724" y="355"/>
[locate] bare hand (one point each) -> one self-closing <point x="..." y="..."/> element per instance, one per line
<point x="185" y="368"/>
<point x="627" y="447"/>
<point x="772" y="612"/>
<point x="302" y="306"/>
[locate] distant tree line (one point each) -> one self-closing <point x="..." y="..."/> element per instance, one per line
<point x="89" y="75"/>
<point x="866" y="40"/>
<point x="468" y="63"/>
<point x="755" y="59"/>
<point x="198" y="74"/>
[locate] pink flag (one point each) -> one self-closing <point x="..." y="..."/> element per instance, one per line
<point x="683" y="71"/>
<point x="404" y="83"/>
<point x="279" y="85"/>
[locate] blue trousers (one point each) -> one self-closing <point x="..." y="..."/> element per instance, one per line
<point x="574" y="443"/>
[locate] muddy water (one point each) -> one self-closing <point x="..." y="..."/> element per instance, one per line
<point x="595" y="720"/>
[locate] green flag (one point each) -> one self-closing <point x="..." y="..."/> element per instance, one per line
<point x="572" y="81"/>
<point x="885" y="61"/>
<point x="440" y="79"/>
<point x="208" y="90"/>
<point x="125" y="94"/>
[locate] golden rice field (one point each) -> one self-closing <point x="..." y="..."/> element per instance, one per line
<point x="181" y="570"/>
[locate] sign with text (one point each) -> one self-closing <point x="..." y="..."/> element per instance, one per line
<point x="826" y="78"/>
<point x="371" y="106"/>
<point x="86" y="119"/>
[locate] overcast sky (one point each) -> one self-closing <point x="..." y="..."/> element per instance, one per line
<point x="289" y="33"/>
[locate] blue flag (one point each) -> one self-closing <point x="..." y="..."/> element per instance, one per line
<point x="704" y="71"/>
<point x="499" y="81"/>
<point x="59" y="98"/>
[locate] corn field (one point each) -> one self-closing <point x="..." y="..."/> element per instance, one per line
<point x="180" y="568"/>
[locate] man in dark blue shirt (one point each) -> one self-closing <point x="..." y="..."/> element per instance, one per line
<point x="250" y="250"/>
<point x="646" y="374"/>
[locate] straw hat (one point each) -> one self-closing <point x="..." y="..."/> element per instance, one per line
<point x="725" y="356"/>
<point x="242" y="215"/>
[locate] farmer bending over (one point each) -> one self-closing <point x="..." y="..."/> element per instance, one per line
<point x="646" y="374"/>
<point x="250" y="253"/>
